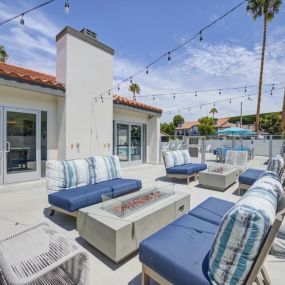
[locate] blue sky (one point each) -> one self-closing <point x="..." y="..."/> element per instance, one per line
<point x="139" y="31"/>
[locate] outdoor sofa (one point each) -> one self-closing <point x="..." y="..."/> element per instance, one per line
<point x="76" y="184"/>
<point x="195" y="249"/>
<point x="248" y="177"/>
<point x="178" y="165"/>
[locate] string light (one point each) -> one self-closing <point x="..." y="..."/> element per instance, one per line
<point x="196" y="93"/>
<point x="22" y="21"/>
<point x="24" y="13"/>
<point x="245" y="89"/>
<point x="174" y="96"/>
<point x="273" y="86"/>
<point x="118" y="87"/>
<point x="153" y="98"/>
<point x="201" y="37"/>
<point x="200" y="106"/>
<point x="220" y="91"/>
<point x="169" y="56"/>
<point x="187" y="41"/>
<point x="147" y="70"/>
<point x="189" y="109"/>
<point x="66" y="7"/>
<point x="102" y="100"/>
<point x="214" y="104"/>
<point x="131" y="80"/>
<point x="109" y="92"/>
<point x="230" y="101"/>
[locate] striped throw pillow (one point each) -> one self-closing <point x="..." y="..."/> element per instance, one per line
<point x="169" y="159"/>
<point x="242" y="232"/>
<point x="178" y="157"/>
<point x="186" y="156"/>
<point x="276" y="164"/>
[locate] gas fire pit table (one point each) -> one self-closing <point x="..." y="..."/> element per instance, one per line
<point x="118" y="224"/>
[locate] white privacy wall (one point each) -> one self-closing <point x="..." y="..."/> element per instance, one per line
<point x="86" y="71"/>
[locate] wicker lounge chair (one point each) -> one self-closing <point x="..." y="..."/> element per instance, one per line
<point x="39" y="255"/>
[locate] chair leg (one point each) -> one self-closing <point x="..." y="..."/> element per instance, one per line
<point x="265" y="276"/>
<point x="51" y="212"/>
<point x="259" y="280"/>
<point x="145" y="277"/>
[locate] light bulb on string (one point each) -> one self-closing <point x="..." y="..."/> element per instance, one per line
<point x="245" y="89"/>
<point x="230" y="101"/>
<point x="200" y="107"/>
<point x="273" y="86"/>
<point x="153" y="98"/>
<point x="214" y="104"/>
<point x="118" y="87"/>
<point x="201" y="36"/>
<point x="196" y="93"/>
<point x="169" y="56"/>
<point x="271" y="92"/>
<point x="66" y="7"/>
<point x="102" y="99"/>
<point x="131" y="80"/>
<point x="220" y="91"/>
<point x="174" y="96"/>
<point x="189" y="109"/>
<point x="109" y="93"/>
<point x="22" y="21"/>
<point x="249" y="97"/>
<point x="147" y="72"/>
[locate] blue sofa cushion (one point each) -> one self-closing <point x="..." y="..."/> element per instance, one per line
<point x="187" y="168"/>
<point x="80" y="197"/>
<point x="250" y="176"/>
<point x="212" y="210"/>
<point x="123" y="186"/>
<point x="180" y="251"/>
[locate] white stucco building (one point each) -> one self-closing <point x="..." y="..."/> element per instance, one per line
<point x="55" y="117"/>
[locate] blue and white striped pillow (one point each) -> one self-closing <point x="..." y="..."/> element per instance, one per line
<point x="178" y="157"/>
<point x="169" y="159"/>
<point x="242" y="232"/>
<point x="186" y="156"/>
<point x="276" y="164"/>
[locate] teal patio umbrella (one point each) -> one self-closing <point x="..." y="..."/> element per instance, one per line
<point x="236" y="132"/>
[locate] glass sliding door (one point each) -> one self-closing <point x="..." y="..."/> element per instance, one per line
<point x="136" y="143"/>
<point x="21" y="145"/>
<point x="122" y="142"/>
<point x="129" y="143"/>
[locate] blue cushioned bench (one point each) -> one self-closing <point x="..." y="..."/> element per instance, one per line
<point x="76" y="184"/>
<point x="178" y="165"/>
<point x="180" y="253"/>
<point x="247" y="178"/>
<point x="81" y="197"/>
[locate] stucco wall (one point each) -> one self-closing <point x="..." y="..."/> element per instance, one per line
<point x="86" y="71"/>
<point x="19" y="98"/>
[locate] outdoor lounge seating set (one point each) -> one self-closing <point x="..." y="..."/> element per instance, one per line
<point x="247" y="178"/>
<point x="178" y="165"/>
<point x="84" y="181"/>
<point x="218" y="242"/>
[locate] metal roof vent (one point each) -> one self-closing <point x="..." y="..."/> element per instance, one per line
<point x="89" y="33"/>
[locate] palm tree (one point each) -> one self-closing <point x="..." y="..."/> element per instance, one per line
<point x="266" y="9"/>
<point x="3" y="54"/>
<point x="135" y="89"/>
<point x="282" y="124"/>
<point x="213" y="111"/>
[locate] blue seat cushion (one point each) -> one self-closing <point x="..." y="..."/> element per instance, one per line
<point x="212" y="210"/>
<point x="81" y="197"/>
<point x="187" y="168"/>
<point x="250" y="176"/>
<point x="180" y="251"/>
<point x="123" y="186"/>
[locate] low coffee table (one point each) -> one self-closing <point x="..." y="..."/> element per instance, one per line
<point x="218" y="177"/>
<point x="117" y="225"/>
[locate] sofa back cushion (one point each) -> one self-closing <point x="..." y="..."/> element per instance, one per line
<point x="176" y="157"/>
<point x="68" y="174"/>
<point x="276" y="164"/>
<point x="242" y="232"/>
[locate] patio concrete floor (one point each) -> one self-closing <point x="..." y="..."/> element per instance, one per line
<point x="25" y="204"/>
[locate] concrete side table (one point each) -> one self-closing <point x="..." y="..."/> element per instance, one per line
<point x="218" y="181"/>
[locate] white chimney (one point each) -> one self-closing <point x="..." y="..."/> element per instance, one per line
<point x="85" y="66"/>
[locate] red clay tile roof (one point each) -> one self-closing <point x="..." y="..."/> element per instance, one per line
<point x="29" y="75"/>
<point x="131" y="103"/>
<point x="221" y="123"/>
